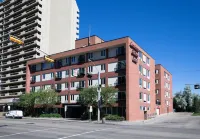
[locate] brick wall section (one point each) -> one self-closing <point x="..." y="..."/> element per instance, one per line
<point x="133" y="102"/>
<point x="85" y="41"/>
<point x="161" y="87"/>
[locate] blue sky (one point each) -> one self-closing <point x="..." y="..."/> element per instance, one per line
<point x="169" y="30"/>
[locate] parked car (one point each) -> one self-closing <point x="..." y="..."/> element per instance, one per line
<point x="14" y="114"/>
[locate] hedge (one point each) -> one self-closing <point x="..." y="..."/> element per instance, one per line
<point x="53" y="115"/>
<point x="114" y="118"/>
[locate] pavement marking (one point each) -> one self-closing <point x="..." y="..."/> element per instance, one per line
<point x="75" y="135"/>
<point x="26" y="132"/>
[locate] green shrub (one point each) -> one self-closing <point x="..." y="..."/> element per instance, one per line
<point x="196" y="114"/>
<point x="52" y="115"/>
<point x="114" y="118"/>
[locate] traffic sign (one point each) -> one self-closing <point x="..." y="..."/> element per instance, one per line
<point x="196" y="86"/>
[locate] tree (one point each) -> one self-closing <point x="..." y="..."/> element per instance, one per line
<point x="27" y="101"/>
<point x="187" y="95"/>
<point x="88" y="96"/>
<point x="196" y="104"/>
<point x="46" y="98"/>
<point x="180" y="102"/>
<point x="108" y="96"/>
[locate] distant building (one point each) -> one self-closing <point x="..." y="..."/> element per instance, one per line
<point x="50" y="25"/>
<point x="163" y="85"/>
<point x="122" y="63"/>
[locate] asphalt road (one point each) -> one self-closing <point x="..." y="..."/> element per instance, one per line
<point x="162" y="128"/>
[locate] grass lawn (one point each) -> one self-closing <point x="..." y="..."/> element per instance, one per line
<point x="196" y="114"/>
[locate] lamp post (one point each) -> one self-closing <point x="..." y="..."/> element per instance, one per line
<point x="98" y="90"/>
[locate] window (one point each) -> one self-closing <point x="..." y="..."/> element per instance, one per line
<point x="144" y="72"/>
<point x="43" y="66"/>
<point x="140" y="55"/>
<point x="52" y="65"/>
<point x="33" y="89"/>
<point x="157" y="71"/>
<point x="90" y="82"/>
<point x="103" y="67"/>
<point x="81" y="83"/>
<point x="148" y="108"/>
<point x="72" y="97"/>
<point x="148" y="85"/>
<point x="120" y="50"/>
<point x="90" y="55"/>
<point x="158" y="102"/>
<point x="103" y="53"/>
<point x="167" y="102"/>
<point x="141" y="94"/>
<point x="33" y="68"/>
<point x="90" y="68"/>
<point x="73" y="59"/>
<point x="141" y="108"/>
<point x="148" y="97"/>
<point x="148" y="73"/>
<point x="144" y="84"/>
<point x="144" y="59"/>
<point x="67" y="73"/>
<point x="156" y="81"/>
<point x="67" y="60"/>
<point x="140" y="81"/>
<point x="59" y="86"/>
<point x="145" y="97"/>
<point x="103" y="81"/>
<point x="140" y="68"/>
<point x="59" y="74"/>
<point x="157" y="91"/>
<point x="72" y="84"/>
<point x="43" y="76"/>
<point x="148" y="61"/>
<point x="52" y="75"/>
<point x="66" y="86"/>
<point x="121" y="96"/>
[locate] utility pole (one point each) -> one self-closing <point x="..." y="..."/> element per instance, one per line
<point x="99" y="95"/>
<point x="98" y="90"/>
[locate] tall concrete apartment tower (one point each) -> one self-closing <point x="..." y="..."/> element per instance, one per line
<point x="50" y="25"/>
<point x="163" y="85"/>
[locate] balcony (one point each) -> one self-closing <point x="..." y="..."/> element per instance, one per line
<point x="134" y="53"/>
<point x="58" y="64"/>
<point x="134" y="47"/>
<point x="135" y="60"/>
<point x="120" y="51"/>
<point x="58" y="88"/>
<point x="81" y="59"/>
<point x="33" y="79"/>
<point x="120" y="66"/>
<point x="89" y="75"/>
<point x="81" y="73"/>
<point x="120" y="81"/>
<point x="158" y="103"/>
<point x="80" y="86"/>
<point x="58" y="76"/>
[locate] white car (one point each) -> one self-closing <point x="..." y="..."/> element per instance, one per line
<point x="14" y="114"/>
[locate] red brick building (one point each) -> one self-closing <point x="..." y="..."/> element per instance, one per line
<point x="163" y="83"/>
<point x="122" y="64"/>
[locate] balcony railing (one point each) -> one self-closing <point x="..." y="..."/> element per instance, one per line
<point x="158" y="103"/>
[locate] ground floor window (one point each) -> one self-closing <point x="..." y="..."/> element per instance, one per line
<point x="121" y="111"/>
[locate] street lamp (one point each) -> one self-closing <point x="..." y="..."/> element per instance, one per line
<point x="98" y="89"/>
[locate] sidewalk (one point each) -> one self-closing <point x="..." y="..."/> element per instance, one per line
<point x="87" y="121"/>
<point x="141" y="122"/>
